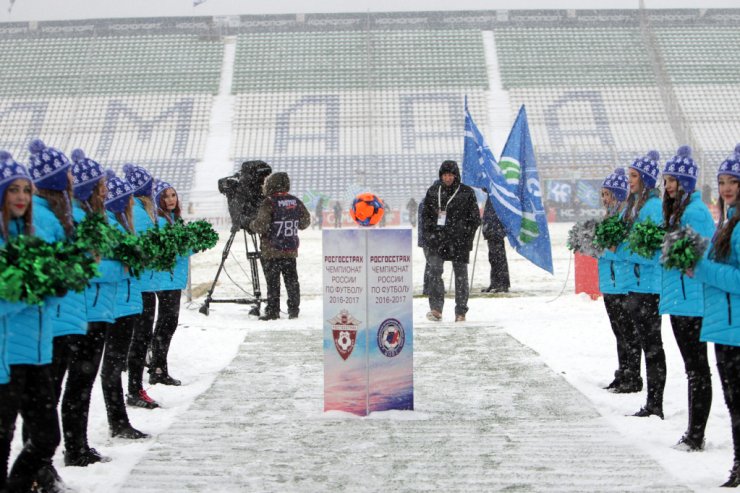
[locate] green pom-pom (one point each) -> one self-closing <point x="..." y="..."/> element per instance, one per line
<point x="581" y="238"/>
<point x="33" y="269"/>
<point x="682" y="249"/>
<point x="610" y="232"/>
<point x="159" y="248"/>
<point x="202" y="235"/>
<point x="646" y="238"/>
<point x="129" y="251"/>
<point x="96" y="235"/>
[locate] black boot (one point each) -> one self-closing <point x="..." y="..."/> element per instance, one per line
<point x="84" y="458"/>
<point x="648" y="411"/>
<point x="627" y="387"/>
<point x="613" y="385"/>
<point x="48" y="480"/>
<point x="158" y="375"/>
<point x="270" y="316"/>
<point x="689" y="444"/>
<point x="734" y="480"/>
<point x="128" y="432"/>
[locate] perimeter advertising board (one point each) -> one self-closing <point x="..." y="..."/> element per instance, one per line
<point x="368" y="323"/>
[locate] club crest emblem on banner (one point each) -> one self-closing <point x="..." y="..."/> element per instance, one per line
<point x="391" y="337"/>
<point x="344" y="328"/>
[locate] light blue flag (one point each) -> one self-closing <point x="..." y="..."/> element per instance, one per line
<point x="513" y="187"/>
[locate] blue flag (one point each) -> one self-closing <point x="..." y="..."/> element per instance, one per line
<point x="513" y="187"/>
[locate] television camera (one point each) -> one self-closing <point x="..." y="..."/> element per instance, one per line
<point x="243" y="191"/>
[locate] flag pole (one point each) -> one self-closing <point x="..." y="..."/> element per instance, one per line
<point x="475" y="257"/>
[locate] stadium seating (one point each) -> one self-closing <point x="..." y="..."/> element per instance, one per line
<point x="143" y="99"/>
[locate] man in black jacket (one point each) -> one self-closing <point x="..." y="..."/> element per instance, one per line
<point x="450" y="218"/>
<point x="494" y="233"/>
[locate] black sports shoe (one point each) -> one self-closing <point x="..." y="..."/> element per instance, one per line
<point x="141" y="399"/>
<point x="163" y="378"/>
<point x="293" y="314"/>
<point x="645" y="412"/>
<point x="128" y="432"/>
<point x="84" y="458"/>
<point x="270" y="316"/>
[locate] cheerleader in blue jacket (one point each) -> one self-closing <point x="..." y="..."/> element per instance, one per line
<point x="100" y="296"/>
<point x="145" y="218"/>
<point x="127" y="309"/>
<point x="170" y="291"/>
<point x="682" y="297"/>
<point x="720" y="273"/>
<point x="27" y="344"/>
<point x="643" y="284"/>
<point x="613" y="277"/>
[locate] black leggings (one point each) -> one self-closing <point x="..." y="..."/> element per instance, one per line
<point x="168" y="315"/>
<point x="728" y="366"/>
<point x="629" y="352"/>
<point x="142" y="334"/>
<point x="694" y="352"/>
<point x="643" y="311"/>
<point x="30" y="392"/>
<point x="117" y="342"/>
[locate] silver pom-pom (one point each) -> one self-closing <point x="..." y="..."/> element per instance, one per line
<point x="581" y="238"/>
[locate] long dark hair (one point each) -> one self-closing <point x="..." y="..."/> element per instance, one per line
<point x="673" y="208"/>
<point x="61" y="205"/>
<point x="721" y="247"/>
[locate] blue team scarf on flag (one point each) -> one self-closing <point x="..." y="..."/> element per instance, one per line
<point x="513" y="186"/>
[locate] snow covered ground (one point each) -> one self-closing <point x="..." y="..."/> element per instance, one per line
<point x="569" y="333"/>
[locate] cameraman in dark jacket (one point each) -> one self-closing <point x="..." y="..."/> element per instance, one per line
<point x="450" y="218"/>
<point x="278" y="220"/>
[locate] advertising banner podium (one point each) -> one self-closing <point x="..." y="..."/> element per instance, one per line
<point x="368" y="320"/>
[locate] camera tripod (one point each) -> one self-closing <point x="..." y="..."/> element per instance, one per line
<point x="252" y="256"/>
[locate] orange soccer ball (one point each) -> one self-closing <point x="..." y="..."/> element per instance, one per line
<point x="367" y="209"/>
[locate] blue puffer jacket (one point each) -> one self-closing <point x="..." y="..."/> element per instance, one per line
<point x="28" y="331"/>
<point x="614" y="273"/>
<point x="178" y="278"/>
<point x="100" y="295"/>
<point x="142" y="223"/>
<point x="681" y="295"/>
<point x="128" y="289"/>
<point x="643" y="274"/>
<point x="6" y="309"/>
<point x="721" y="323"/>
<point x="69" y="313"/>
